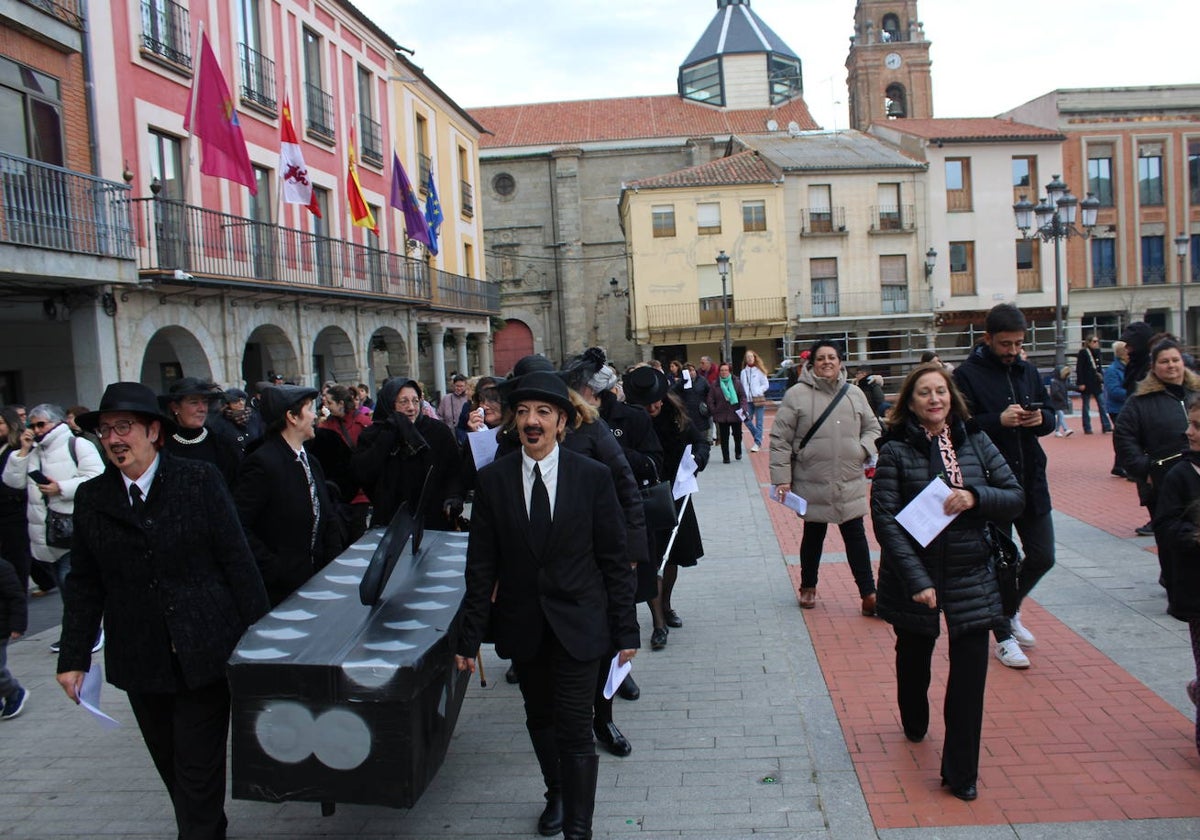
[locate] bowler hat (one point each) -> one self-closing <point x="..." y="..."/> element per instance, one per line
<point x="186" y="387"/>
<point x="543" y="386"/>
<point x="645" y="385"/>
<point x="126" y="396"/>
<point x="275" y="400"/>
<point x="526" y="364"/>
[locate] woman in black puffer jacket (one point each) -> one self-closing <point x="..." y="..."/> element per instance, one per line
<point x="928" y="437"/>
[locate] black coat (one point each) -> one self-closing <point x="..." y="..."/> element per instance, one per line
<point x="688" y="546"/>
<point x="956" y="562"/>
<point x="580" y="584"/>
<point x="1152" y="427"/>
<point x="695" y="400"/>
<point x="14" y="602"/>
<point x="275" y="509"/>
<point x="1089" y="376"/>
<point x="1178" y="537"/>
<point x="990" y="386"/>
<point x="182" y="580"/>
<point x="392" y="472"/>
<point x="216" y="450"/>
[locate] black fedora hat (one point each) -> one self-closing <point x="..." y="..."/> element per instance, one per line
<point x="543" y="386"/>
<point x="126" y="396"/>
<point x="275" y="400"/>
<point x="186" y="387"/>
<point x="526" y="364"/>
<point x="645" y="385"/>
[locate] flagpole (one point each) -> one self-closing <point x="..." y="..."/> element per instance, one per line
<point x="279" y="169"/>
<point x="191" y="120"/>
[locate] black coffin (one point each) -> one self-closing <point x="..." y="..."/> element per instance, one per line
<point x="334" y="701"/>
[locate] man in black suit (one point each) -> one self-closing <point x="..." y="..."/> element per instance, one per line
<point x="290" y="520"/>
<point x="159" y="553"/>
<point x="547" y="535"/>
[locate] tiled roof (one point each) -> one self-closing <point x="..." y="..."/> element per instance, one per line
<point x="625" y="118"/>
<point x="971" y="130"/>
<point x="747" y="167"/>
<point x="825" y="150"/>
<point x="737" y="29"/>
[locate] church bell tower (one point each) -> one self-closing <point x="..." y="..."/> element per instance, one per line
<point x="888" y="67"/>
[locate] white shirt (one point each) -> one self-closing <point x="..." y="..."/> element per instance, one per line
<point x="549" y="468"/>
<point x="144" y="480"/>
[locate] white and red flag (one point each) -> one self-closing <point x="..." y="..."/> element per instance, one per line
<point x="297" y="188"/>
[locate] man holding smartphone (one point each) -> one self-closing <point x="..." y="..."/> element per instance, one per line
<point x="1006" y="397"/>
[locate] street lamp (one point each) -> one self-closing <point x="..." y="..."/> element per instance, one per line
<point x="930" y="261"/>
<point x="723" y="270"/>
<point x="1055" y="221"/>
<point x="1181" y="249"/>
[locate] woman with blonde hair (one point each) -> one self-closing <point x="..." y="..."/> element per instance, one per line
<point x="755" y="384"/>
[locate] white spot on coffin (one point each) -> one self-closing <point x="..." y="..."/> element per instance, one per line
<point x="427" y="605"/>
<point x="320" y="595"/>
<point x="285" y="731"/>
<point x="343" y="739"/>
<point x="262" y="653"/>
<point x="293" y="615"/>
<point x="452" y="558"/>
<point x="447" y="573"/>
<point x="283" y="634"/>
<point x="388" y="647"/>
<point x="366" y="546"/>
<point x="411" y="624"/>
<point x="344" y="580"/>
<point x="436" y="590"/>
<point x="353" y="562"/>
<point x="371" y="673"/>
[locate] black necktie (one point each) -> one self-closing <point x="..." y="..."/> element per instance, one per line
<point x="539" y="510"/>
<point x="136" y="500"/>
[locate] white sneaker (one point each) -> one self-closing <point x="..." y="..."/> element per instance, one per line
<point x="1009" y="653"/>
<point x="755" y="448"/>
<point x="1024" y="638"/>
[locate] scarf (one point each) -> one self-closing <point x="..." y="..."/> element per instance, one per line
<point x="949" y="457"/>
<point x="728" y="390"/>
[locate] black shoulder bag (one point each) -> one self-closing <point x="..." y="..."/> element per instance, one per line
<point x="1004" y="556"/>
<point x="60" y="527"/>
<point x="812" y="430"/>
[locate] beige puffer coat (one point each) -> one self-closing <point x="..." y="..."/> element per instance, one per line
<point x="828" y="472"/>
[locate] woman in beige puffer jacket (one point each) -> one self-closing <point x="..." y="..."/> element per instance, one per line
<point x="828" y="471"/>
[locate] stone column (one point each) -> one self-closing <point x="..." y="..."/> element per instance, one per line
<point x="438" y="380"/>
<point x="414" y="354"/>
<point x="94" y="350"/>
<point x="460" y="345"/>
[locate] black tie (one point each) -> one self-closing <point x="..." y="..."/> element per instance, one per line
<point x="136" y="500"/>
<point x="539" y="510"/>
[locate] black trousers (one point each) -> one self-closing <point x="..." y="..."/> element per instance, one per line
<point x="187" y="733"/>
<point x="728" y="430"/>
<point x="558" y="692"/>
<point x="963" y="709"/>
<point x="858" y="553"/>
<point x="14" y="547"/>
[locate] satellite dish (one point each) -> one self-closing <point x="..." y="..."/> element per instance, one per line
<point x="794" y="128"/>
<point x="772" y="125"/>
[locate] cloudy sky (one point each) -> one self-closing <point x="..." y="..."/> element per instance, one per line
<point x="987" y="57"/>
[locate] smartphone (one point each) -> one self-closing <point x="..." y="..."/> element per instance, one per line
<point x="1032" y="405"/>
<point x="38" y="477"/>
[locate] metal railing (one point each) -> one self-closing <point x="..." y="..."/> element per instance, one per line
<point x="467" y="198"/>
<point x="893" y="299"/>
<point x="1103" y="278"/>
<point x="457" y="292"/>
<point x="370" y="140"/>
<point x="823" y="220"/>
<point x="886" y="299"/>
<point x="166" y="31"/>
<point x="900" y="218"/>
<point x="46" y="206"/>
<point x="319" y="119"/>
<point x="258" y="77"/>
<point x="69" y="12"/>
<point x="1154" y="275"/>
<point x="693" y="314"/>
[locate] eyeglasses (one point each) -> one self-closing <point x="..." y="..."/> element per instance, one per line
<point x="121" y="427"/>
<point x="38" y="425"/>
<point x="405" y="401"/>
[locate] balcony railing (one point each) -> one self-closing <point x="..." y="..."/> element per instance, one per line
<point x="893" y="299"/>
<point x="320" y="112"/>
<point x="46" y="206"/>
<point x="885" y="299"/>
<point x="709" y="312"/>
<point x="468" y="199"/>
<point x="1104" y="278"/>
<point x="166" y="31"/>
<point x="823" y="220"/>
<point x="370" y="139"/>
<point x="69" y="12"/>
<point x="888" y="219"/>
<point x="258" y="78"/>
<point x="1154" y="275"/>
<point x="221" y="249"/>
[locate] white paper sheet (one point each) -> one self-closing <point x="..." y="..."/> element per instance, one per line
<point x="792" y="501"/>
<point x="89" y="696"/>
<point x="687" y="380"/>
<point x="685" y="477"/>
<point x="925" y="516"/>
<point x="740" y="414"/>
<point x="616" y="676"/>
<point x="483" y="447"/>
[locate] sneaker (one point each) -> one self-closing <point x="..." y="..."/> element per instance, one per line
<point x="14" y="704"/>
<point x="1009" y="653"/>
<point x="1146" y="530"/>
<point x="1069" y="432"/>
<point x="96" y="648"/>
<point x="755" y="448"/>
<point x="54" y="646"/>
<point x="1019" y="632"/>
<point x="1058" y="434"/>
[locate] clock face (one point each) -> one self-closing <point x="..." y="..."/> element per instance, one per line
<point x="892" y="61"/>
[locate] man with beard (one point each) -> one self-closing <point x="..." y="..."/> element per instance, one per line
<point x="546" y="540"/>
<point x="159" y="553"/>
<point x="1005" y="394"/>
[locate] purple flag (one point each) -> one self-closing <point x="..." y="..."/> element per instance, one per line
<point x="405" y="200"/>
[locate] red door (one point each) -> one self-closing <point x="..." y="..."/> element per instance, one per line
<point x="510" y="345"/>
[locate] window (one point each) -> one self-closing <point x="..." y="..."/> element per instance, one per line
<point x="468" y="259"/>
<point x="1024" y="177"/>
<point x="708" y="218"/>
<point x="320" y="103"/>
<point x="423" y="160"/>
<point x="662" y="218"/>
<point x="370" y="132"/>
<point x="30" y="114"/>
<point x="504" y="184"/>
<point x="467" y="194"/>
<point x="322" y="251"/>
<point x="1150" y="184"/>
<point x="784" y="75"/>
<point x="958" y="184"/>
<point x="1104" y="263"/>
<point x="891" y="30"/>
<point x="702" y="82"/>
<point x="170" y="214"/>
<point x="166" y="164"/>
<point x="1100" y="180"/>
<point x="260" y="233"/>
<point x="165" y="31"/>
<point x="258" y="71"/>
<point x="893" y="283"/>
<point x="754" y="215"/>
<point x="1195" y="252"/>
<point x="888" y="196"/>
<point x="1154" y="267"/>
<point x="820" y="208"/>
<point x="1029" y="275"/>
<point x="712" y="295"/>
<point x="962" y="268"/>
<point x="1194" y="172"/>
<point x="824" y="286"/>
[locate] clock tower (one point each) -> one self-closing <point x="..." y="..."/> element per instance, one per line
<point x="888" y="68"/>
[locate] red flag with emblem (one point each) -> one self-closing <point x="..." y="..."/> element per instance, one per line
<point x="212" y="117"/>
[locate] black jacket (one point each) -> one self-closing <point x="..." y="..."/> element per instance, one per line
<point x="695" y="400"/>
<point x="632" y="428"/>
<point x="956" y="562"/>
<point x="179" y="586"/>
<point x="688" y="546"/>
<point x="14" y="606"/>
<point x="990" y="386"/>
<point x="1178" y="536"/>
<point x="1152" y="427"/>
<point x="216" y="450"/>
<point x="1089" y="374"/>
<point x="275" y="509"/>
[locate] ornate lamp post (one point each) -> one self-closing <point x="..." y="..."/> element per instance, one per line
<point x="723" y="270"/>
<point x="1055" y="221"/>
<point x="930" y="261"/>
<point x="1181" y="250"/>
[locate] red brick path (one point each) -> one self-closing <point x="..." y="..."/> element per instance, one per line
<point x="1074" y="738"/>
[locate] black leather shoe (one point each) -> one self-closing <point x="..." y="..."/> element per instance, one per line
<point x="673" y="619"/>
<point x="915" y="737"/>
<point x="612" y="739"/>
<point x="967" y="793"/>
<point x="550" y="823"/>
<point x="628" y="689"/>
<point x="658" y="639"/>
<point x="510" y="676"/>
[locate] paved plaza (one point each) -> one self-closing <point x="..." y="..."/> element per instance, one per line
<point x="758" y="718"/>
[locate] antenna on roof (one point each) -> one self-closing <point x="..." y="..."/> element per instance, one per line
<point x="793" y="129"/>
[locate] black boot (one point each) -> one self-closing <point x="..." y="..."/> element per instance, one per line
<point x="579" y="794"/>
<point x="550" y="822"/>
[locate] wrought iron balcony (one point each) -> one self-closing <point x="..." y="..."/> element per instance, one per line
<point x="887" y="299"/>
<point x="1154" y="275"/>
<point x="709" y="312"/>
<point x="823" y="220"/>
<point x="166" y="31"/>
<point x="370" y="140"/>
<point x="465" y="293"/>
<point x="69" y="12"/>
<point x="46" y="206"/>
<point x="258" y="78"/>
<point x="893" y="219"/>
<point x="320" y="112"/>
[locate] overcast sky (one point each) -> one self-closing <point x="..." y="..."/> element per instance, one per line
<point x="987" y="56"/>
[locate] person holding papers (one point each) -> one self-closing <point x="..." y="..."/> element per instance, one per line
<point x="929" y="437"/>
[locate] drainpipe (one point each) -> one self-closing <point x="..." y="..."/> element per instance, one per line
<point x="89" y="86"/>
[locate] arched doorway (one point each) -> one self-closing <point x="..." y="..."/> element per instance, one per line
<point x="173" y="353"/>
<point x="269" y="351"/>
<point x="511" y="344"/>
<point x="387" y="356"/>
<point x="333" y="357"/>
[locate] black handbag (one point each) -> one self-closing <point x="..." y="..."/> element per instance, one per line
<point x="1006" y="561"/>
<point x="658" y="501"/>
<point x="60" y="528"/>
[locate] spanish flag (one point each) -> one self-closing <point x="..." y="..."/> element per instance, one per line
<point x="360" y="213"/>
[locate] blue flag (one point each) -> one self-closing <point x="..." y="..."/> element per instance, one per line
<point x="433" y="213"/>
